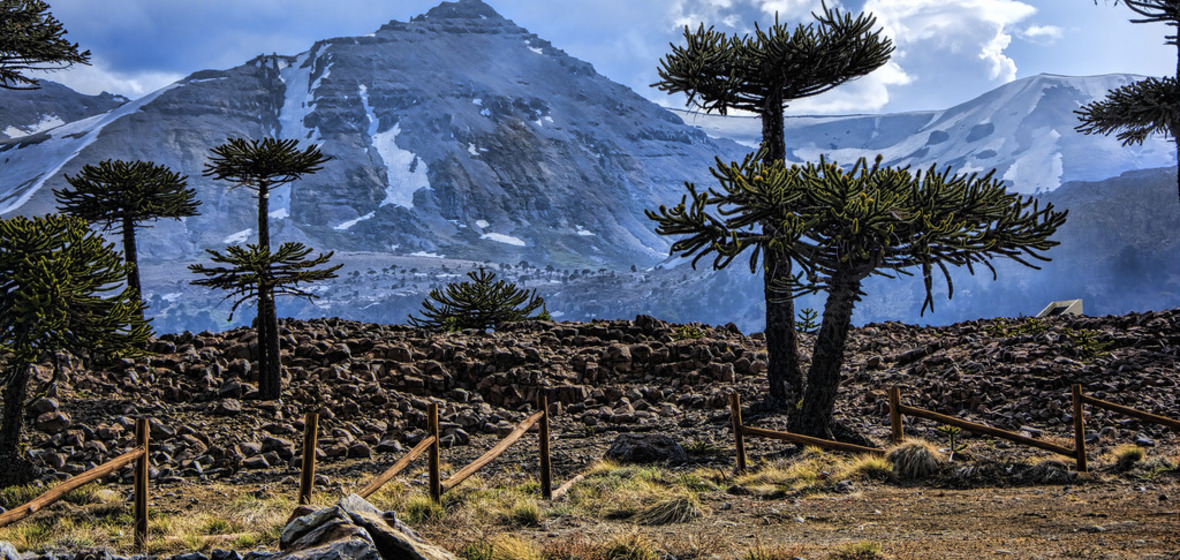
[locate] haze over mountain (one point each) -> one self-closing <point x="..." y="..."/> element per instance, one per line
<point x="459" y="139"/>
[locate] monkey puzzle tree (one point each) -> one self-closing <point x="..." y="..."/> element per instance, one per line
<point x="481" y="303"/>
<point x="1150" y="106"/>
<point x="58" y="282"/>
<point x="32" y="39"/>
<point x="842" y="226"/>
<point x="127" y="193"/>
<point x="262" y="165"/>
<point x="762" y="74"/>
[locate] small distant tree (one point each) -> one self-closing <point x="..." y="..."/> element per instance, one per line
<point x="482" y="303"/>
<point x="262" y="165"/>
<point x="762" y="74"/>
<point x="1150" y="106"/>
<point x="59" y="285"/>
<point x="840" y="226"/>
<point x="125" y="194"/>
<point x="31" y="39"/>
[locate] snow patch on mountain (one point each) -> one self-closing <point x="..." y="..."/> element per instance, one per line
<point x="299" y="98"/>
<point x="47" y="122"/>
<point x="55" y="150"/>
<point x="505" y="239"/>
<point x="239" y="237"/>
<point x="344" y="226"/>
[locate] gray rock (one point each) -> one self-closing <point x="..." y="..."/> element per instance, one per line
<point x="7" y="551"/>
<point x="646" y="448"/>
<point x="53" y="422"/>
<point x="354" y="529"/>
<point x="1143" y="441"/>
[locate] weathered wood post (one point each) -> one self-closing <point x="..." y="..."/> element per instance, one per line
<point x="895" y="414"/>
<point x="435" y="475"/>
<point x="142" y="432"/>
<point x="1079" y="429"/>
<point x="311" y="428"/>
<point x="739" y="441"/>
<point x="546" y="474"/>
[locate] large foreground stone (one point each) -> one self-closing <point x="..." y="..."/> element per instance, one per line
<point x="355" y="530"/>
<point x="646" y="448"/>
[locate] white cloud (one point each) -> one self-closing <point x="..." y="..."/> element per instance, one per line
<point x="864" y="95"/>
<point x="1041" y="34"/>
<point x="99" y="77"/>
<point x="977" y="28"/>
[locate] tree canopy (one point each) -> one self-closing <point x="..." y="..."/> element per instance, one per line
<point x="59" y="291"/>
<point x="482" y="303"/>
<point x="126" y="193"/>
<point x="763" y="73"/>
<point x="841" y="225"/>
<point x="31" y="39"/>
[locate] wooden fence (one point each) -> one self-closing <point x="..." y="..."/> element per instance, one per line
<point x="431" y="444"/>
<point x="740" y="431"/>
<point x="897" y="410"/>
<point x="139" y="455"/>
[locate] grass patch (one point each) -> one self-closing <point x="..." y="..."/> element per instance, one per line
<point x="763" y="552"/>
<point x="1126" y="456"/>
<point x="421" y="509"/>
<point x="680" y="509"/>
<point x="915" y="459"/>
<point x="858" y="551"/>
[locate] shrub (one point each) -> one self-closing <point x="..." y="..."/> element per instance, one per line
<point x="915" y="459"/>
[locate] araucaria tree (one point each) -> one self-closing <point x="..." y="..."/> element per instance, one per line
<point x="32" y="39"/>
<point x="1150" y="106"/>
<point x="762" y="74"/>
<point x="59" y="291"/>
<point x="479" y="304"/>
<point x="255" y="273"/>
<point x="840" y="226"/>
<point x="123" y="194"/>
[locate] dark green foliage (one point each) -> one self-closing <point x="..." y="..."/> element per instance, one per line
<point x="806" y="322"/>
<point x="126" y="193"/>
<point x="763" y="73"/>
<point x="59" y="291"/>
<point x="1149" y="106"/>
<point x="479" y="304"/>
<point x="1134" y="111"/>
<point x="32" y="39"/>
<point x="251" y="269"/>
<point x="261" y="165"/>
<point x="840" y="226"/>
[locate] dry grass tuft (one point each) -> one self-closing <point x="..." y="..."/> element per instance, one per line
<point x="680" y="509"/>
<point x="915" y="459"/>
<point x="763" y="552"/>
<point x="1126" y="456"/>
<point x="858" y="551"/>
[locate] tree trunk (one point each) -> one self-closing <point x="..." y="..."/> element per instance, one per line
<point x="823" y="379"/>
<point x="782" y="368"/>
<point x="263" y="218"/>
<point x="131" y="258"/>
<point x="269" y="378"/>
<point x="14" y="410"/>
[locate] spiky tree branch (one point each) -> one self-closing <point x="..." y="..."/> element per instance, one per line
<point x="479" y="304"/>
<point x="31" y="39"/>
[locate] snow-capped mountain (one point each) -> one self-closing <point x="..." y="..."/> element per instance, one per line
<point x="457" y="134"/>
<point x="1024" y="130"/>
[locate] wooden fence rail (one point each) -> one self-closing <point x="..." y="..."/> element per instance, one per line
<point x="139" y="455"/>
<point x="1079" y="428"/>
<point x="897" y="410"/>
<point x="740" y="431"/>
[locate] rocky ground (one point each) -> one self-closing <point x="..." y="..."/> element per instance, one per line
<point x="371" y="385"/>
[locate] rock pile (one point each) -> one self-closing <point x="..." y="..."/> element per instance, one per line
<point x="372" y="385"/>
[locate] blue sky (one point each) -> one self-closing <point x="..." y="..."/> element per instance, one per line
<point x="949" y="51"/>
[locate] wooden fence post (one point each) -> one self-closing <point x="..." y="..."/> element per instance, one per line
<point x="546" y="473"/>
<point x="1079" y="429"/>
<point x="311" y="428"/>
<point x="895" y="414"/>
<point x="735" y="406"/>
<point x="435" y="475"/>
<point x="141" y="484"/>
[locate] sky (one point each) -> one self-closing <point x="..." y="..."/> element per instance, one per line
<point x="948" y="51"/>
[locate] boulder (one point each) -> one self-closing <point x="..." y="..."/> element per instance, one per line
<point x="355" y="530"/>
<point x="646" y="448"/>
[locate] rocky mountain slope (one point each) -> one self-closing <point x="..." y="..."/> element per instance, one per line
<point x="372" y="383"/>
<point x="456" y="134"/>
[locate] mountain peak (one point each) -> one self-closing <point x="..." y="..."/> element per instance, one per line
<point x="462" y="9"/>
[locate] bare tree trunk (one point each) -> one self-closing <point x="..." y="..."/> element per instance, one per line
<point x="823" y="378"/>
<point x="782" y="368"/>
<point x="14" y="410"/>
<point x="131" y="258"/>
